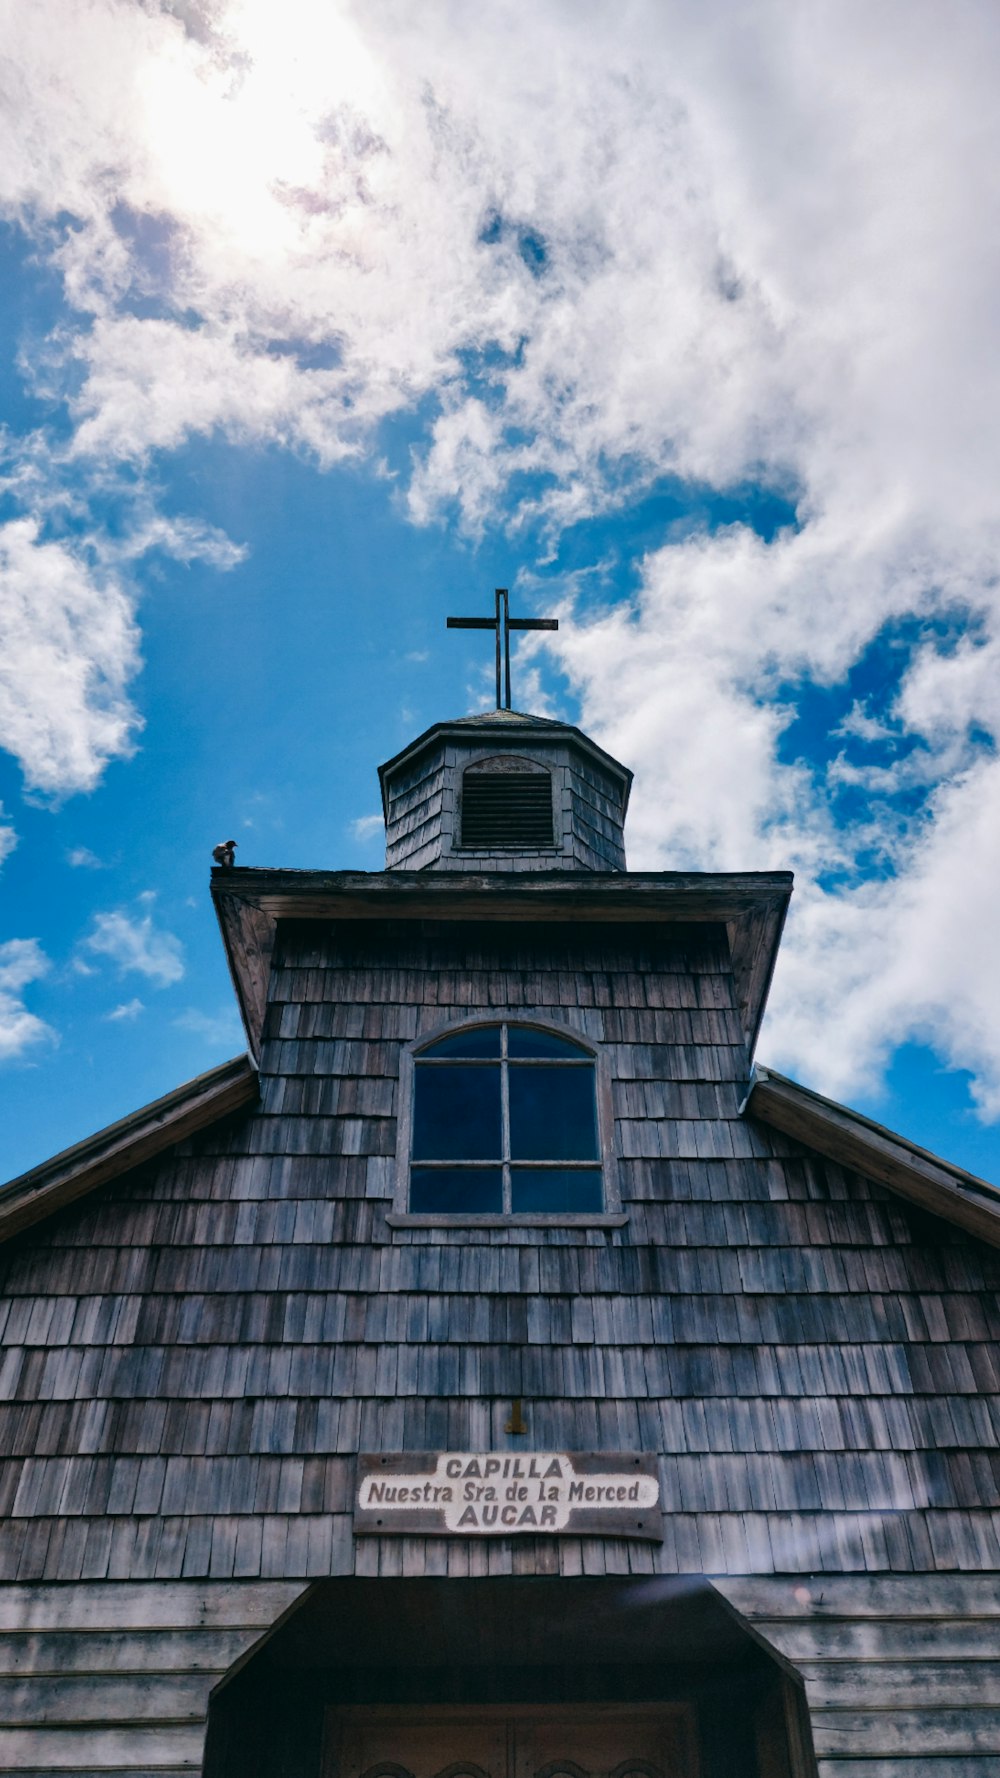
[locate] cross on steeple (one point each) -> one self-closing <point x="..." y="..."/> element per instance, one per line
<point x="503" y="623"/>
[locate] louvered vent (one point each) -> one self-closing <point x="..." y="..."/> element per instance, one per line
<point x="505" y="809"/>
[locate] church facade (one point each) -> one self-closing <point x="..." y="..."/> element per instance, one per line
<point x="491" y="1373"/>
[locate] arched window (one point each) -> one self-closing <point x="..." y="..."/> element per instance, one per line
<point x="505" y="1122"/>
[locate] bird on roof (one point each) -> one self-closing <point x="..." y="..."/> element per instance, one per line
<point x="224" y="854"/>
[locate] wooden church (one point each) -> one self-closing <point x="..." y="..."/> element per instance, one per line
<point x="489" y="1375"/>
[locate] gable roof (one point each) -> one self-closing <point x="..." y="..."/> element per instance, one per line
<point x="866" y="1147"/>
<point x="113" y="1150"/>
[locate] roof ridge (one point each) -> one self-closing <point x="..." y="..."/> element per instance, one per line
<point x="482" y="717"/>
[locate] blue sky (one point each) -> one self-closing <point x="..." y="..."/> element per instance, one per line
<point x="309" y="338"/>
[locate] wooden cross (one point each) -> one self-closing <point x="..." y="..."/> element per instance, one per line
<point x="503" y="623"/>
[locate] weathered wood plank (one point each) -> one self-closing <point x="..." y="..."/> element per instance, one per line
<point x="913" y="1734"/>
<point x="58" y="1700"/>
<point x="880" y="1685"/>
<point x="143" y="1606"/>
<point x="249" y="934"/>
<point x="165" y="1748"/>
<point x="124" y="1772"/>
<point x="819" y="1598"/>
<point x="910" y="1734"/>
<point x="882" y="1639"/>
<point x="89" y="1651"/>
<point x="924" y="1766"/>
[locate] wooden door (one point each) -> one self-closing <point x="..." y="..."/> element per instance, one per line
<point x="417" y="1744"/>
<point x="569" y="1741"/>
<point x="599" y="1744"/>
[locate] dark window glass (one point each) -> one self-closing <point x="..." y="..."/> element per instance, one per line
<point x="552" y="1114"/>
<point x="523" y="1041"/>
<point x="556" y="1189"/>
<point x="521" y="1101"/>
<point x="480" y="1040"/>
<point x="456" y="1114"/>
<point x="472" y="1191"/>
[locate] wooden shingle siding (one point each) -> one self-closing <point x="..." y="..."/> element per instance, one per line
<point x="424" y="799"/>
<point x="260" y="1297"/>
<point x="192" y="1358"/>
<point x="901" y="1674"/>
<point x="117" y="1678"/>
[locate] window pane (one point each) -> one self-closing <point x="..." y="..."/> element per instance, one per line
<point x="474" y="1191"/>
<point x="522" y="1041"/>
<point x="456" y="1114"/>
<point x="556" y="1188"/>
<point x="552" y="1114"/>
<point x="482" y="1040"/>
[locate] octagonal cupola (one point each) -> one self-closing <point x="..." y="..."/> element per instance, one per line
<point x="504" y="792"/>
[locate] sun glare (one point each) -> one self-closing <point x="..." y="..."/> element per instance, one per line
<point x="226" y="141"/>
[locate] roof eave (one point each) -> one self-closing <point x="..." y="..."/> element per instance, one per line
<point x="112" y="1151"/>
<point x="750" y="905"/>
<point x="542" y="729"/>
<point x="854" y="1141"/>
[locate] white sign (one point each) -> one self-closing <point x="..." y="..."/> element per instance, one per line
<point x="497" y="1493"/>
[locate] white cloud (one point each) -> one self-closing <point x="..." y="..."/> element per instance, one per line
<point x="68" y="646"/>
<point x="183" y="539"/>
<point x="917" y="956"/>
<point x="366" y="827"/>
<point x="126" y="1013"/>
<point x="8" y="838"/>
<point x="683" y="688"/>
<point x="69" y="640"/>
<point x="22" y="961"/>
<point x="137" y="945"/>
<point x="221" y="1030"/>
<point x="82" y="858"/>
<point x="730" y="245"/>
<point x="865" y="727"/>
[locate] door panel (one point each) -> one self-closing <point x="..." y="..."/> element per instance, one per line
<point x="578" y="1741"/>
<point x="602" y="1747"/>
<point x="393" y="1747"/>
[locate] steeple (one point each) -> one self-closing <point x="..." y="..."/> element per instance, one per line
<point x="504" y="792"/>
